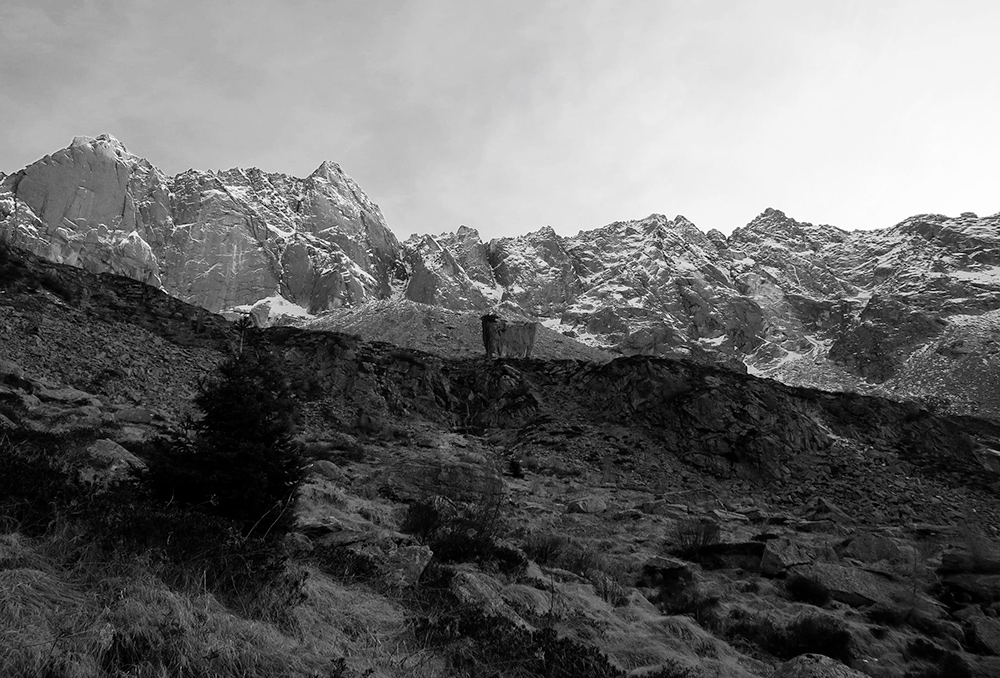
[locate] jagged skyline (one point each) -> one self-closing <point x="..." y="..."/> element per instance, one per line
<point x="511" y="116"/>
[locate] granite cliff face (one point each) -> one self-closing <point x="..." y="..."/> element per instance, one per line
<point x="216" y="239"/>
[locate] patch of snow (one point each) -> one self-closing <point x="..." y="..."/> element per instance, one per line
<point x="984" y="276"/>
<point x="492" y="292"/>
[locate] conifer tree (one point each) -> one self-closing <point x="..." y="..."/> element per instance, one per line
<point x="243" y="463"/>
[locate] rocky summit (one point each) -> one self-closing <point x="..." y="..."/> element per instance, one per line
<point x="907" y="312"/>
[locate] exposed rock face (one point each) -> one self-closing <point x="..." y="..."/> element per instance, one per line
<point x="508" y="338"/>
<point x="93" y="205"/>
<point x="216" y="239"/>
<point x="437" y="277"/>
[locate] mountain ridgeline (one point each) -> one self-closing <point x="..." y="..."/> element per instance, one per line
<point x="909" y="311"/>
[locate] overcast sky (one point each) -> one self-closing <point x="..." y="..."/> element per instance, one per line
<point x="510" y="115"/>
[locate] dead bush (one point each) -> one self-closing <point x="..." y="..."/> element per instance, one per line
<point x="691" y="536"/>
<point x="803" y="589"/>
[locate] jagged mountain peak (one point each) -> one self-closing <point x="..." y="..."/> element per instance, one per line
<point x="326" y="168"/>
<point x="968" y="229"/>
<point x="545" y="233"/>
<point x="775" y="228"/>
<point x="108" y="139"/>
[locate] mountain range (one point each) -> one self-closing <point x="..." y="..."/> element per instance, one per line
<point x="634" y="500"/>
<point x="911" y="311"/>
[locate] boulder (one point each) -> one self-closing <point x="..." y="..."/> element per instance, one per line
<point x="982" y="667"/>
<point x="68" y="396"/>
<point x="56" y="418"/>
<point x="661" y="507"/>
<point x="14" y="553"/>
<point x="108" y="463"/>
<point x="133" y="415"/>
<point x="961" y="560"/>
<point x="850" y="585"/>
<point x="12" y="375"/>
<point x="746" y="555"/>
<point x="589" y="504"/>
<point x="782" y="554"/>
<point x="870" y="547"/>
<point x="815" y="666"/>
<point x="404" y="565"/>
<point x="985" y="634"/>
<point x="973" y="588"/>
<point x="461" y="477"/>
<point x="823" y="509"/>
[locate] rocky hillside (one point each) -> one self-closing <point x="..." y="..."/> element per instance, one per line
<point x="645" y="516"/>
<point x="908" y="312"/>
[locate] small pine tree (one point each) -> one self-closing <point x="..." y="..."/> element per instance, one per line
<point x="242" y="463"/>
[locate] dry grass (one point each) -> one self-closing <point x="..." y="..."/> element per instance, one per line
<point x="374" y="633"/>
<point x="640" y="640"/>
<point x="46" y="626"/>
<point x="75" y="623"/>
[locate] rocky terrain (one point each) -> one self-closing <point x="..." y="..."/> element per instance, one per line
<point x="909" y="312"/>
<point x="653" y="516"/>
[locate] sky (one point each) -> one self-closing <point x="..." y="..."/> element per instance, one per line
<point x="511" y="115"/>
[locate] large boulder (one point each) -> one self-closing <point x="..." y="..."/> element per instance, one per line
<point x="870" y="547"/>
<point x="985" y="634"/>
<point x="851" y="585"/>
<point x="588" y="504"/>
<point x="107" y="463"/>
<point x="405" y="564"/>
<point x="507" y="338"/>
<point x="782" y="554"/>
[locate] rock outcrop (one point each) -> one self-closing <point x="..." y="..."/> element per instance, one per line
<point x="502" y="338"/>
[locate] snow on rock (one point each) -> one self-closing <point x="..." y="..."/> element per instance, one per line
<point x="274" y="310"/>
<point x="216" y="239"/>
